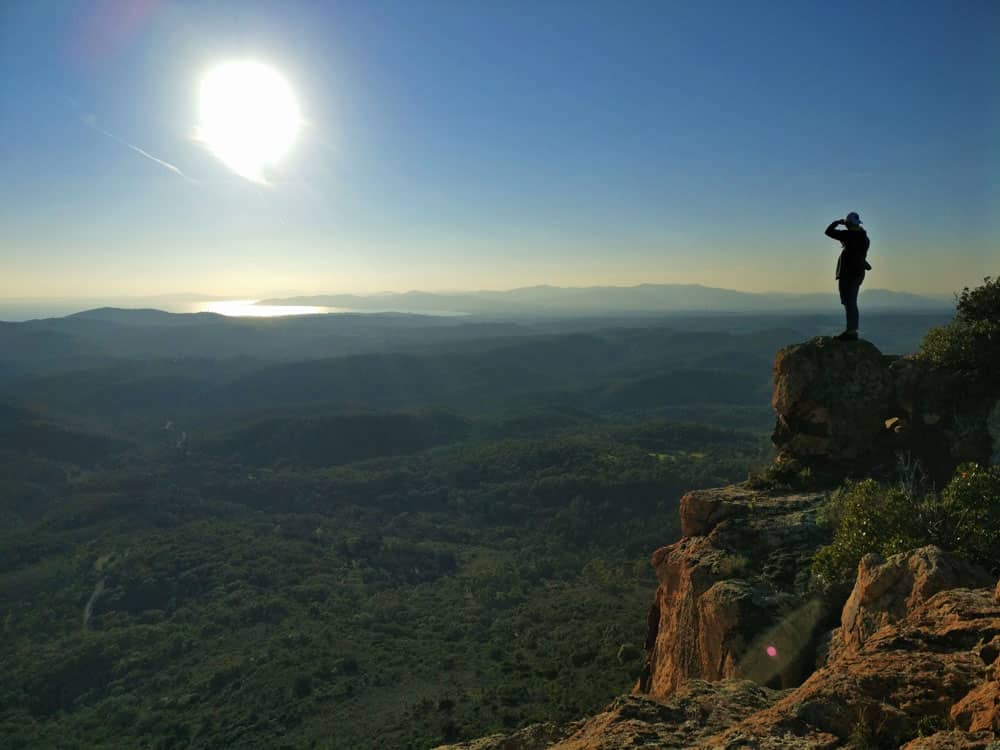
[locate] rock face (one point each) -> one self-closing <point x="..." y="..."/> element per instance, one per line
<point x="732" y="600"/>
<point x="932" y="669"/>
<point x="831" y="399"/>
<point x="885" y="591"/>
<point x="844" y="407"/>
<point x="932" y="664"/>
<point x="694" y="713"/>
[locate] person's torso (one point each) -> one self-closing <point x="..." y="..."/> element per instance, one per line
<point x="855" y="246"/>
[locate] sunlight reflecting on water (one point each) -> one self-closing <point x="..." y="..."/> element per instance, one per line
<point x="246" y="308"/>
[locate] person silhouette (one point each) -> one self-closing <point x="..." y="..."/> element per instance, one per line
<point x="851" y="267"/>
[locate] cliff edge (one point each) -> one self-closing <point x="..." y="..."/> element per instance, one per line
<point x="741" y="652"/>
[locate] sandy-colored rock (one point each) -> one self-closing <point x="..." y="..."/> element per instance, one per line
<point x="887" y="590"/>
<point x="532" y="737"/>
<point x="734" y="591"/>
<point x="954" y="740"/>
<point x="979" y="711"/>
<point x="695" y="712"/>
<point x="904" y="675"/>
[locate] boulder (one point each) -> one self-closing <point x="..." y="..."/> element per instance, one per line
<point x="885" y="591"/>
<point x="831" y="399"/>
<point x="845" y="408"/>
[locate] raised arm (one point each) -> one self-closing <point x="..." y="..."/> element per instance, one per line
<point x="832" y="231"/>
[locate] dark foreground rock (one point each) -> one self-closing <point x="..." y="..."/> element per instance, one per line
<point x="831" y="399"/>
<point x="844" y="408"/>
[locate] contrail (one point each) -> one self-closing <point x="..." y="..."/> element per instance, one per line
<point x="91" y="122"/>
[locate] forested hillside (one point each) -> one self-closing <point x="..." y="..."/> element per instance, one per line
<point x="258" y="552"/>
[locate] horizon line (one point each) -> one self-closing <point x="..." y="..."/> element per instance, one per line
<point x="286" y="295"/>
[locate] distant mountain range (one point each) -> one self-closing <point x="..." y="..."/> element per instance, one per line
<point x="644" y="298"/>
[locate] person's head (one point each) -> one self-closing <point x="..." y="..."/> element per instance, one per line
<point x="853" y="220"/>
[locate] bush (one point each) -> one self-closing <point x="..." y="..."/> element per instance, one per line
<point x="867" y="517"/>
<point x="784" y="474"/>
<point x="970" y="343"/>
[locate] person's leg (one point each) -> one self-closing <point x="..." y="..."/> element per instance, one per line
<point x="844" y="287"/>
<point x="851" y="305"/>
<point x="849" y="299"/>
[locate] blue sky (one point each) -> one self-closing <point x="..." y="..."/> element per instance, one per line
<point x="491" y="145"/>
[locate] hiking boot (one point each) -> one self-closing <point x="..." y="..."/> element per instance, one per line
<point x="847" y="336"/>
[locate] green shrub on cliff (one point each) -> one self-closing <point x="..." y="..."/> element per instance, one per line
<point x="970" y="343"/>
<point x="781" y="474"/>
<point x="868" y="517"/>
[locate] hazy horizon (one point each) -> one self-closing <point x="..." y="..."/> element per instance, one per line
<point x="285" y="303"/>
<point x="288" y="293"/>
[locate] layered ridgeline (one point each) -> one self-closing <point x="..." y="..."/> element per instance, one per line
<point x="791" y="614"/>
<point x="602" y="300"/>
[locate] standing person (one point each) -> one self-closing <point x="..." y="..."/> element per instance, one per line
<point x="851" y="267"/>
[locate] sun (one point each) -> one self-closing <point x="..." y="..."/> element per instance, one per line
<point x="248" y="116"/>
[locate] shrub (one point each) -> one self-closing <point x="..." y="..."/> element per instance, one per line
<point x="786" y="474"/>
<point x="867" y="517"/>
<point x="968" y="515"/>
<point x="970" y="343"/>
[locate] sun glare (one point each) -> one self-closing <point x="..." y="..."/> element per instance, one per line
<point x="249" y="117"/>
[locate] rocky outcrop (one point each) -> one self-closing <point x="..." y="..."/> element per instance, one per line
<point x="734" y="633"/>
<point x="831" y="399"/>
<point x="954" y="740"/>
<point x="532" y="737"/>
<point x="886" y="590"/>
<point x="685" y="720"/>
<point x="845" y="408"/>
<point x="732" y="598"/>
<point x="932" y="665"/>
<point x="928" y="679"/>
<point x="979" y="711"/>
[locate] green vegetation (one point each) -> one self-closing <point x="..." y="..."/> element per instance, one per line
<point x="969" y="344"/>
<point x="231" y="594"/>
<point x="787" y="474"/>
<point x="868" y="517"/>
<point x="349" y="532"/>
